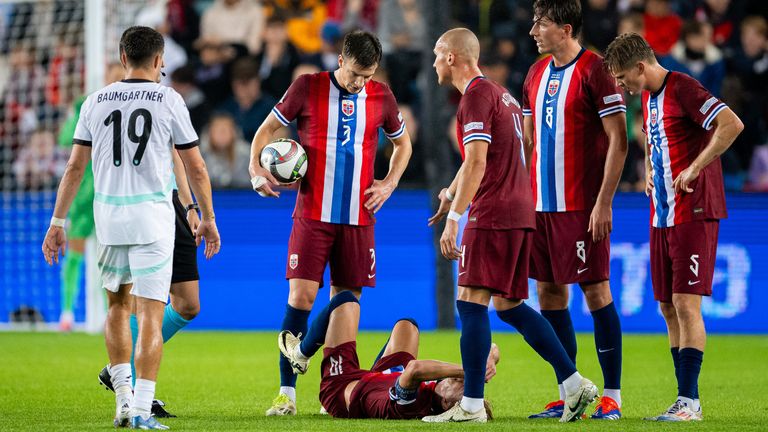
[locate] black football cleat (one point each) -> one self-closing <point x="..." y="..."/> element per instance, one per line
<point x="159" y="411"/>
<point x="105" y="379"/>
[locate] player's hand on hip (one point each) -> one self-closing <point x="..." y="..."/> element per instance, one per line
<point x="442" y="210"/>
<point x="55" y="243"/>
<point x="208" y="231"/>
<point x="262" y="181"/>
<point x="682" y="183"/>
<point x="193" y="219"/>
<point x="649" y="183"/>
<point x="448" y="240"/>
<point x="379" y="192"/>
<point x="600" y="222"/>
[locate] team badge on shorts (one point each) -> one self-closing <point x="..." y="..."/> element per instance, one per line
<point x="293" y="261"/>
<point x="347" y="107"/>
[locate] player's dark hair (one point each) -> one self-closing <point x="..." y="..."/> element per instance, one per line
<point x="626" y="51"/>
<point x="140" y="45"/>
<point x="560" y="12"/>
<point x="362" y="47"/>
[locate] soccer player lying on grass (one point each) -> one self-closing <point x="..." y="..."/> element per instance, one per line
<point x="397" y="387"/>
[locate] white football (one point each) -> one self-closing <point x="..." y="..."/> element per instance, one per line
<point x="285" y="159"/>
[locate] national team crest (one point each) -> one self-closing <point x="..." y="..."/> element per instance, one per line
<point x="347" y="107"/>
<point x="293" y="261"/>
<point x="553" y="86"/>
<point x="654" y="116"/>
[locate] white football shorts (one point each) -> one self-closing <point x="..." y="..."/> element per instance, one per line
<point x="147" y="266"/>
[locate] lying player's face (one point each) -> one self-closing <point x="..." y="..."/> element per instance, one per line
<point x="631" y="80"/>
<point x="547" y="34"/>
<point x="450" y="391"/>
<point x="354" y="77"/>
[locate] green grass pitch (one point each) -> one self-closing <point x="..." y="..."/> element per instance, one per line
<point x="225" y="381"/>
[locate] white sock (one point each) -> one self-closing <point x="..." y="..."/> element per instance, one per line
<point x="290" y="392"/>
<point x="561" y="389"/>
<point x="696" y="405"/>
<point x="121" y="377"/>
<point x="572" y="383"/>
<point x="613" y="394"/>
<point x="143" y="394"/>
<point x="472" y="405"/>
<point x="687" y="401"/>
<point x="300" y="354"/>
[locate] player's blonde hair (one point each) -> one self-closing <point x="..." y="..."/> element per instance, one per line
<point x="626" y="51"/>
<point x="463" y="43"/>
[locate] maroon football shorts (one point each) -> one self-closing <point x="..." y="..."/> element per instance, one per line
<point x="496" y="260"/>
<point x="349" y="248"/>
<point x="683" y="259"/>
<point x="339" y="368"/>
<point x="563" y="251"/>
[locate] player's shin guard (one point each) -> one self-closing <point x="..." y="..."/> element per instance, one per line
<point x="295" y="321"/>
<point x="315" y="337"/>
<point x="475" y="346"/>
<point x="608" y="344"/>
<point x="172" y="322"/>
<point x="563" y="327"/>
<point x="538" y="333"/>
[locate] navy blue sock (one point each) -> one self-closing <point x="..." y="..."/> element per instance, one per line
<point x="541" y="337"/>
<point x="563" y="327"/>
<point x="315" y="337"/>
<point x="475" y="346"/>
<point x="676" y="360"/>
<point x="295" y="320"/>
<point x="608" y="344"/>
<point x="690" y="367"/>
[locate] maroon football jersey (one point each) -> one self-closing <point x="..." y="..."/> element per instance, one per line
<point x="372" y="398"/>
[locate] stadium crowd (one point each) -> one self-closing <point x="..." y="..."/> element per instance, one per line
<point x="231" y="60"/>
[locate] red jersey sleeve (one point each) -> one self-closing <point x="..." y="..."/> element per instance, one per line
<point x="606" y="95"/>
<point x="394" y="126"/>
<point x="697" y="102"/>
<point x="474" y="118"/>
<point x="290" y="105"/>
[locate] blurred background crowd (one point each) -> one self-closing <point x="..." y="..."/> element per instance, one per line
<point x="231" y="60"/>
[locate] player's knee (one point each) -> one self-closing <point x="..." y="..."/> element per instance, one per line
<point x="410" y="322"/>
<point x="668" y="311"/>
<point x="188" y="311"/>
<point x="301" y="299"/>
<point x="343" y="297"/>
<point x="686" y="311"/>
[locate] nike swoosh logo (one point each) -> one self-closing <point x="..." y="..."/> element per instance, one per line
<point x="462" y="273"/>
<point x="549" y="101"/>
<point x="371" y="276"/>
<point x="346" y="119"/>
<point x="580" y="271"/>
<point x="693" y="283"/>
<point x="600" y="350"/>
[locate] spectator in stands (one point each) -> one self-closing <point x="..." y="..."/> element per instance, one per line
<point x="155" y="15"/>
<point x="747" y="93"/>
<point x="212" y="73"/>
<point x="402" y="32"/>
<point x="600" y="27"/>
<point x="225" y="152"/>
<point x="40" y="163"/>
<point x="183" y="81"/>
<point x="304" y="20"/>
<point x="723" y="16"/>
<point x="354" y="14"/>
<point x="663" y="24"/>
<point x="328" y="57"/>
<point x="495" y="69"/>
<point x="235" y="22"/>
<point x="696" y="56"/>
<point x="23" y="98"/>
<point x="306" y="68"/>
<point x="184" y="23"/>
<point x="278" y="58"/>
<point x="66" y="78"/>
<point x="631" y="23"/>
<point x="506" y="47"/>
<point x="248" y="106"/>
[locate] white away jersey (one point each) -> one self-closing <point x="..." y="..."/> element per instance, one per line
<point x="131" y="126"/>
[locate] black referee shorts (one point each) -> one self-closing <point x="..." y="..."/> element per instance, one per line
<point x="184" y="248"/>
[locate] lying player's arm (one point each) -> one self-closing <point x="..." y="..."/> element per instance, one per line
<point x="200" y="183"/>
<point x="55" y="238"/>
<point x="185" y="194"/>
<point x="419" y="371"/>
<point x="528" y="140"/>
<point x="601" y="219"/>
<point x="727" y="127"/>
<point x="261" y="177"/>
<point x="381" y="190"/>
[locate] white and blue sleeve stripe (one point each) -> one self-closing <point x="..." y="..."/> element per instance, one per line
<point x="708" y="121"/>
<point x="396" y="134"/>
<point x="527" y="112"/>
<point x="476" y="137"/>
<point x="612" y="110"/>
<point x="280" y="117"/>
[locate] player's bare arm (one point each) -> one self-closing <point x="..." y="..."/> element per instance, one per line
<point x="56" y="238"/>
<point x="469" y="181"/>
<point x="601" y="219"/>
<point x="185" y="194"/>
<point x="727" y="127"/>
<point x="648" y="170"/>
<point x="446" y="197"/>
<point x="419" y="371"/>
<point x="261" y="179"/>
<point x="528" y="141"/>
<point x="201" y="186"/>
<point x="381" y="190"/>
